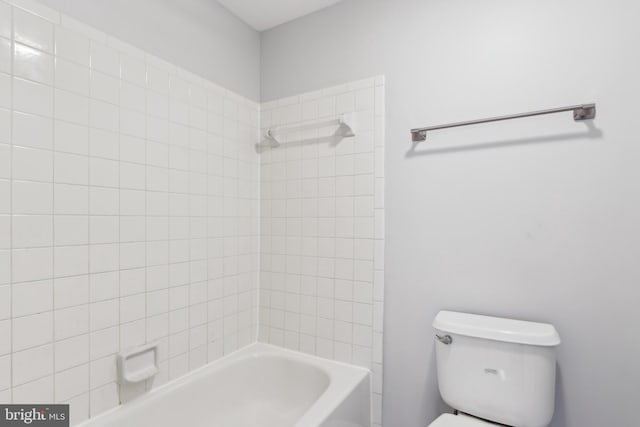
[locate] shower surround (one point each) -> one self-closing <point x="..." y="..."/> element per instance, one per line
<point x="129" y="213"/>
<point x="322" y="229"/>
<point x="134" y="208"/>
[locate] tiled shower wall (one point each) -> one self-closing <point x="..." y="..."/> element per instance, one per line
<point x="129" y="212"/>
<point x="322" y="245"/>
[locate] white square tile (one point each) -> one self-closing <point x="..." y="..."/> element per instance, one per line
<point x="179" y="88"/>
<point x="32" y="331"/>
<point x="157" y="105"/>
<point x="104" y="173"/>
<point x="104" y="314"/>
<point x="71" y="291"/>
<point x="132" y="308"/>
<point x="31" y="164"/>
<point x="157" y="327"/>
<point x="72" y="77"/>
<point x="362" y="335"/>
<point x="5" y="91"/>
<point x="105" y="59"/>
<point x="5" y="55"/>
<point x="133" y="123"/>
<point x="5" y="335"/>
<point x="327" y="106"/>
<point x="71" y="107"/>
<point x="104" y="258"/>
<point x="158" y="80"/>
<point x="71" y="260"/>
<point x="71" y="352"/>
<point x="71" y="169"/>
<point x="133" y="97"/>
<point x="104" y="286"/>
<point x="5" y="161"/>
<point x="5" y="127"/>
<point x="132" y="228"/>
<point x="105" y="87"/>
<point x="102" y="371"/>
<point x="365" y="99"/>
<point x="157" y="179"/>
<point x="5" y="298"/>
<point x="70" y="322"/>
<point x="71" y="138"/>
<point x="104" y="116"/>
<point x="29" y="265"/>
<point x="32" y="64"/>
<point x="363" y="314"/>
<point x="31" y="97"/>
<point x="132" y="255"/>
<point x="132" y="176"/>
<point x="72" y="46"/>
<point x="32" y="364"/>
<point x="132" y="149"/>
<point x="104" y="229"/>
<point x="104" y="201"/>
<point x="31" y="231"/>
<point x="5" y="274"/>
<point x="32" y="197"/>
<point x="80" y="412"/>
<point x="132" y="202"/>
<point x="32" y="30"/>
<point x="71" y="230"/>
<point x="104" y="144"/>
<point x="71" y="199"/>
<point x="5" y="373"/>
<point x="103" y="343"/>
<point x="5" y="20"/>
<point x="71" y="383"/>
<point x="5" y="232"/>
<point x="133" y="70"/>
<point x="132" y="334"/>
<point x="157" y="130"/>
<point x="103" y="399"/>
<point x="157" y="302"/>
<point x="32" y="131"/>
<point x="39" y="391"/>
<point x="132" y="281"/>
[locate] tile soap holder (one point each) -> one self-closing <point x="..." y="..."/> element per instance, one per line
<point x="138" y="364"/>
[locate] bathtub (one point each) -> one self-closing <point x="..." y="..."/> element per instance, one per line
<point x="258" y="386"/>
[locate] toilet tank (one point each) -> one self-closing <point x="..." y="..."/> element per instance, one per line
<point x="501" y="370"/>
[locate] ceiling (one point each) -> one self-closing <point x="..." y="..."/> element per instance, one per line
<point x="265" y="14"/>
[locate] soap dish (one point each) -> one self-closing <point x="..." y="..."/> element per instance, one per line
<point x="138" y="364"/>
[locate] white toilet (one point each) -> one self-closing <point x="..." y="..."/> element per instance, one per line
<point x="495" y="371"/>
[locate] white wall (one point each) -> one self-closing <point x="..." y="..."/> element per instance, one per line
<point x="200" y="35"/>
<point x="129" y="213"/>
<point x="534" y="219"/>
<point x="322" y="228"/>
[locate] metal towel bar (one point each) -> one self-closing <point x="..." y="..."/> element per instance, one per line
<point x="580" y="113"/>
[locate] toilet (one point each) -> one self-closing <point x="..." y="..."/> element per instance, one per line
<point x="494" y="371"/>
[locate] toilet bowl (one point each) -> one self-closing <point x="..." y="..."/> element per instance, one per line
<point x="495" y="371"/>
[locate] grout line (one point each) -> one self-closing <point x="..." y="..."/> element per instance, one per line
<point x="146" y="186"/>
<point x="11" y="273"/>
<point x="119" y="270"/>
<point x="189" y="248"/>
<point x="90" y="276"/>
<point x="53" y="250"/>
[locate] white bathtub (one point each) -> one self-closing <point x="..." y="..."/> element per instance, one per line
<point x="258" y="386"/>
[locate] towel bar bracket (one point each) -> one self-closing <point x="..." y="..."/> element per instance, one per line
<point x="585" y="112"/>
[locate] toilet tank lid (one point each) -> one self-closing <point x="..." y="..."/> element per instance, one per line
<point x="497" y="329"/>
